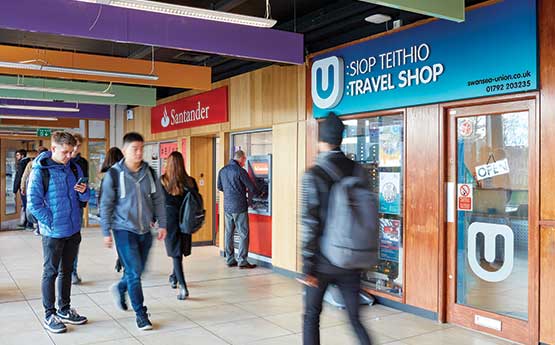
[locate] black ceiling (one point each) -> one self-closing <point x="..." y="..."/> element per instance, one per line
<point x="324" y="23"/>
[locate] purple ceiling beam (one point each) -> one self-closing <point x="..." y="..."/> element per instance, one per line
<point x="73" y="18"/>
<point x="88" y="111"/>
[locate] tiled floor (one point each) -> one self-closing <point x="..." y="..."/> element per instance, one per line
<point x="227" y="306"/>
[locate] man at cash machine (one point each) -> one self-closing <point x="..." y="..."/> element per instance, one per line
<point x="234" y="182"/>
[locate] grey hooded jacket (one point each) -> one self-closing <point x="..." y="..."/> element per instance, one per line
<point x="133" y="201"/>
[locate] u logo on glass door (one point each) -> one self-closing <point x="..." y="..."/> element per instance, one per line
<point x="490" y="232"/>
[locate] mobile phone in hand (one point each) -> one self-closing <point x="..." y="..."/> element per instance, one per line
<point x="83" y="180"/>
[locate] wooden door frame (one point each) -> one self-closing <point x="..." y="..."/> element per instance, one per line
<point x="514" y="329"/>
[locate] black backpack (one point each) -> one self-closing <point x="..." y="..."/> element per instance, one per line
<point x="45" y="176"/>
<point x="191" y="213"/>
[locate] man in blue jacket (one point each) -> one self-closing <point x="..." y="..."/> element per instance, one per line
<point x="234" y="181"/>
<point x="132" y="200"/>
<point x="54" y="197"/>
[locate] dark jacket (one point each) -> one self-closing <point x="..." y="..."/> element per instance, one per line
<point x="132" y="201"/>
<point x="57" y="211"/>
<point x="21" y="165"/>
<point x="234" y="182"/>
<point x="316" y="185"/>
<point x="177" y="243"/>
<point x="84" y="165"/>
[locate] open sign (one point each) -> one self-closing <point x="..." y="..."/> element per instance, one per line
<point x="494" y="169"/>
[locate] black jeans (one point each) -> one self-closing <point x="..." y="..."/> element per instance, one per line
<point x="349" y="285"/>
<point x="177" y="272"/>
<point x="59" y="253"/>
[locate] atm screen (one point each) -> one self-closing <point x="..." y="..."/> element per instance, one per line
<point x="260" y="169"/>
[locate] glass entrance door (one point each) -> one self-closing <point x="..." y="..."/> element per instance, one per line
<point x="493" y="232"/>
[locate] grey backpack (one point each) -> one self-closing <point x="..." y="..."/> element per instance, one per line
<point x="350" y="238"/>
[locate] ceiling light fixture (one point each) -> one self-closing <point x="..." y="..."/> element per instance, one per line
<point x="378" y="18"/>
<point x="55" y="90"/>
<point x="39" y="108"/>
<point x="36" y="118"/>
<point x="186" y="11"/>
<point x="62" y="69"/>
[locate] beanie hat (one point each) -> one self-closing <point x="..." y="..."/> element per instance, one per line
<point x="331" y="130"/>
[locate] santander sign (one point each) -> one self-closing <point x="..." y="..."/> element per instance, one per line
<point x="199" y="110"/>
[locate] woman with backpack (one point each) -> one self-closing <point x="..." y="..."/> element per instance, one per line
<point x="113" y="156"/>
<point x="177" y="184"/>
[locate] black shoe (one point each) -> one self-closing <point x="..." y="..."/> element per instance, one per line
<point x="247" y="266"/>
<point x="183" y="294"/>
<point x="118" y="266"/>
<point x="54" y="324"/>
<point x="72" y="317"/>
<point x="75" y="279"/>
<point x="233" y="264"/>
<point x="143" y="323"/>
<point x="119" y="297"/>
<point x="173" y="281"/>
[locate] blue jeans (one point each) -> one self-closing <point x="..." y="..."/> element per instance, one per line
<point x="133" y="252"/>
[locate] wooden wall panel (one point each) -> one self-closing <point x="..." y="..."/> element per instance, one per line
<point x="284" y="201"/>
<point x="239" y="102"/>
<point x="422" y="225"/>
<point x="223" y="159"/>
<point x="547" y="82"/>
<point x="285" y="94"/>
<point x="301" y="168"/>
<point x="547" y="169"/>
<point x="547" y="281"/>
<point x="202" y="161"/>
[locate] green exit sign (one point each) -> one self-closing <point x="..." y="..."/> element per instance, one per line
<point x="44" y="132"/>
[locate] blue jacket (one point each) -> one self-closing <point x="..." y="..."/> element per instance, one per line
<point x="234" y="182"/>
<point x="58" y="211"/>
<point x="132" y="201"/>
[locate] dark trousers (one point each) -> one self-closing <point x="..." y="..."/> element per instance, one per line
<point x="237" y="222"/>
<point x="349" y="285"/>
<point x="177" y="273"/>
<point x="58" y="253"/>
<point x="77" y="255"/>
<point x="133" y="252"/>
<point x="26" y="222"/>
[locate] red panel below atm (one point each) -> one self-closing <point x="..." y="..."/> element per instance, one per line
<point x="260" y="235"/>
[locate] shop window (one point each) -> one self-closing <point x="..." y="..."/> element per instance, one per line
<point x="253" y="143"/>
<point x="97" y="129"/>
<point x="377" y="143"/>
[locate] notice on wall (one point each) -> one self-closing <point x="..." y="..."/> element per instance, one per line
<point x="390" y="194"/>
<point x="165" y="150"/>
<point x="390" y="238"/>
<point x="500" y="167"/>
<point x="465" y="197"/>
<point x="151" y="155"/>
<point x="390" y="140"/>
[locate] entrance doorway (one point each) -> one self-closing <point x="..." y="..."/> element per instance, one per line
<point x="202" y="169"/>
<point x="10" y="203"/>
<point x="492" y="229"/>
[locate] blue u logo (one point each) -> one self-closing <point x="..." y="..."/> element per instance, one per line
<point x="327" y="82"/>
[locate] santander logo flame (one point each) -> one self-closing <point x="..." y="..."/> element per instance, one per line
<point x="165" y="119"/>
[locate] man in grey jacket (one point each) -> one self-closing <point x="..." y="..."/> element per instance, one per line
<point x="132" y="200"/>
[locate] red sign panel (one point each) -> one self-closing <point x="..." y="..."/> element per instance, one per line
<point x="203" y="109"/>
<point x="465" y="196"/>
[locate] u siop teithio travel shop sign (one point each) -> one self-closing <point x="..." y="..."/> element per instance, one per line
<point x="493" y="52"/>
